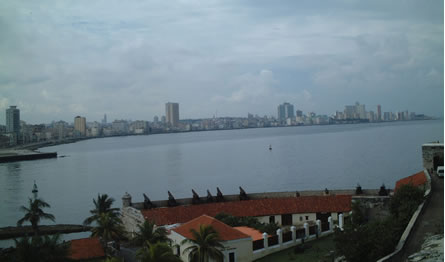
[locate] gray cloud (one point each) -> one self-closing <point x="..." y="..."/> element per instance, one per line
<point x="61" y="59"/>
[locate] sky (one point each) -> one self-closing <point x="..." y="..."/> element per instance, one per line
<point x="59" y="59"/>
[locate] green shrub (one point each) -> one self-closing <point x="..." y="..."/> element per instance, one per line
<point x="252" y="222"/>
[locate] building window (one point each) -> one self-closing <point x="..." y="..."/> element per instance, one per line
<point x="286" y="219"/>
<point x="178" y="250"/>
<point x="307" y="218"/>
<point x="272" y="219"/>
<point x="232" y="257"/>
<point x="301" y="218"/>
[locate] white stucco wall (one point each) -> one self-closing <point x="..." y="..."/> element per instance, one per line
<point x="241" y="247"/>
<point x="131" y="218"/>
<point x="295" y="219"/>
<point x="176" y="240"/>
<point x="265" y="219"/>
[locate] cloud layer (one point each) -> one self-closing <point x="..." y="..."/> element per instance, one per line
<point x="60" y="59"/>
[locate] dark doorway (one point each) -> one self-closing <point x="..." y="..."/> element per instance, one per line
<point x="437" y="161"/>
<point x="231" y="257"/>
<point x="286" y="219"/>
<point x="323" y="216"/>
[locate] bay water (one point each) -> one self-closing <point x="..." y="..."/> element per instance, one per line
<point x="302" y="158"/>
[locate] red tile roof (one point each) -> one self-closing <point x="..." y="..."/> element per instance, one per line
<point x="225" y="232"/>
<point x="252" y="232"/>
<point x="253" y="208"/>
<point x="86" y="248"/>
<point x="415" y="180"/>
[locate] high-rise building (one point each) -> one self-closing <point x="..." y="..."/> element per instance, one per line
<point x="13" y="120"/>
<point x="285" y="111"/>
<point x="379" y="113"/>
<point x="361" y="111"/>
<point x="120" y="127"/>
<point x="371" y="116"/>
<point x="355" y="111"/>
<point x="172" y="113"/>
<point x="350" y="112"/>
<point x="406" y="115"/>
<point x="155" y="119"/>
<point x="80" y="125"/>
<point x="104" y="121"/>
<point x="299" y="113"/>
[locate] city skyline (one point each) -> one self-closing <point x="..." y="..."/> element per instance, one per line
<point x="232" y="58"/>
<point x="19" y="132"/>
<point x="289" y="110"/>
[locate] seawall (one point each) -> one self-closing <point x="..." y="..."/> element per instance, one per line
<point x="13" y="156"/>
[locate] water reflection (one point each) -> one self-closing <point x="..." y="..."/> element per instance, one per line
<point x="13" y="178"/>
<point x="174" y="155"/>
<point x="14" y="168"/>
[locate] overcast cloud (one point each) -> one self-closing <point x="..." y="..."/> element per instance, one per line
<point x="59" y="59"/>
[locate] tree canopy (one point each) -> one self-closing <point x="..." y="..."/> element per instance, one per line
<point x="156" y="252"/>
<point x="101" y="206"/>
<point x="34" y="213"/>
<point x="149" y="232"/>
<point x="252" y="222"/>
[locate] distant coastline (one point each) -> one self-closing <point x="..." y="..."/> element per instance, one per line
<point x="35" y="146"/>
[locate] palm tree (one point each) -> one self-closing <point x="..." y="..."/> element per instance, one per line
<point x="205" y="245"/>
<point x="34" y="213"/>
<point x="159" y="252"/>
<point x="108" y="227"/>
<point x="147" y="232"/>
<point x="101" y="206"/>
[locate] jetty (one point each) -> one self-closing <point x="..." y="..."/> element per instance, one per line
<point x="13" y="232"/>
<point x="13" y="155"/>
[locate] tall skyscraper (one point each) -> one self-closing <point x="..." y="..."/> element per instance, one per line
<point x="104" y="121"/>
<point x="13" y="120"/>
<point x="361" y="111"/>
<point x="379" y="113"/>
<point x="172" y="113"/>
<point x="285" y="111"/>
<point x="80" y="125"/>
<point x="350" y="112"/>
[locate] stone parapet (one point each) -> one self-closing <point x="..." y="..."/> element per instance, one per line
<point x="253" y="196"/>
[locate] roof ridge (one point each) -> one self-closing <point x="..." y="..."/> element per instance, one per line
<point x="212" y="221"/>
<point x="255" y="207"/>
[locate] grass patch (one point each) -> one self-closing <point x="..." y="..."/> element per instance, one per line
<point x="318" y="251"/>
